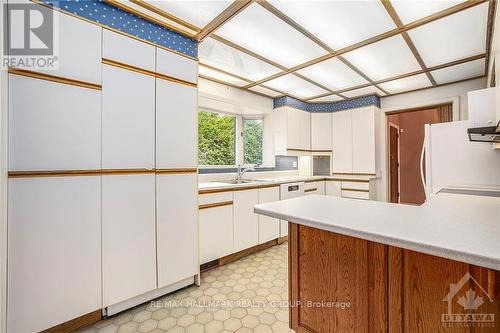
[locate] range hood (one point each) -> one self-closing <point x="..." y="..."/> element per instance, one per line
<point x="485" y="134"/>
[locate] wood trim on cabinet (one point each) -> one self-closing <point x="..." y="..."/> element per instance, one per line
<point x="175" y="80"/>
<point x="54" y="78"/>
<point x="53" y="173"/>
<point x="77" y="323"/>
<point x="215" y="204"/>
<point x="236" y="188"/>
<point x="347" y="180"/>
<point x="354" y="190"/>
<point x="314" y="189"/>
<point x="126" y="171"/>
<point x="121" y="65"/>
<point x="178" y="170"/>
<point x="354" y="174"/>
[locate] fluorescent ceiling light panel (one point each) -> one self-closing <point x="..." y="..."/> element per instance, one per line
<point x="384" y="59"/>
<point x="295" y="86"/>
<point x="409" y="11"/>
<point x="338" y="23"/>
<point x="453" y="37"/>
<point x="265" y="91"/>
<point x="202" y="70"/>
<point x="222" y="56"/>
<point x="260" y="31"/>
<point x="333" y="74"/>
<point x="407" y="83"/>
<point x="199" y="13"/>
<point x="459" y="72"/>
<point x="331" y="98"/>
<point x="363" y="91"/>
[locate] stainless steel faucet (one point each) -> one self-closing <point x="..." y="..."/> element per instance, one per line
<point x="241" y="172"/>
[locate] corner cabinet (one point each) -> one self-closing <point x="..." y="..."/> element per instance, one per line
<point x="321" y="131"/>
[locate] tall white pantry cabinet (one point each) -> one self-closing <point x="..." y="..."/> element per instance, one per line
<point x="102" y="178"/>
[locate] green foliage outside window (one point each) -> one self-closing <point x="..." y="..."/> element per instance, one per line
<point x="252" y="141"/>
<point x="216" y="139"/>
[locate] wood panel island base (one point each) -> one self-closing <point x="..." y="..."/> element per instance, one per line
<point x="340" y="283"/>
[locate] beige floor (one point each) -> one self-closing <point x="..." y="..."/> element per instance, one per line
<point x="245" y="296"/>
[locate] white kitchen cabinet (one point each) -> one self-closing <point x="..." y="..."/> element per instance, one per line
<point x="333" y="188"/>
<point x="363" y="140"/>
<point x="342" y="141"/>
<point x="482" y="107"/>
<point x="355" y="194"/>
<point x="176" y="125"/>
<point x="216" y="226"/>
<point x="78" y="48"/>
<point x="54" y="251"/>
<point x="315" y="188"/>
<point x="321" y="131"/>
<point x="292" y="131"/>
<point x="176" y="66"/>
<point x="246" y="222"/>
<point x="177" y="227"/>
<point x="128" y="236"/>
<point x="53" y="126"/>
<point x="269" y="228"/>
<point x="128" y="119"/>
<point x="128" y="51"/>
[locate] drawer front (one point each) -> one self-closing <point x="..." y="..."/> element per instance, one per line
<point x="356" y="185"/>
<point x="205" y="199"/>
<point x="315" y="188"/>
<point x="355" y="194"/>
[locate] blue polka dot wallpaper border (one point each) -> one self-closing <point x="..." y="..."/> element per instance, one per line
<point x="116" y="18"/>
<point x="327" y="106"/>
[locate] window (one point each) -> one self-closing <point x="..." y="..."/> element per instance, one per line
<point x="252" y="141"/>
<point x="216" y="139"/>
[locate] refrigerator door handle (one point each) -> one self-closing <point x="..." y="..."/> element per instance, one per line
<point x="422" y="176"/>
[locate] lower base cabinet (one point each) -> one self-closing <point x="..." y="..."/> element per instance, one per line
<point x="269" y="228"/>
<point x="54" y="251"/>
<point x="246" y="222"/>
<point x="216" y="232"/>
<point x="177" y="227"/>
<point x="333" y="188"/>
<point x="128" y="236"/>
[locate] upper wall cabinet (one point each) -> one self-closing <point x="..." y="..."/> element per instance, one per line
<point x="176" y="125"/>
<point x="128" y="119"/>
<point x="482" y="107"/>
<point x="176" y="66"/>
<point x="77" y="47"/>
<point x="321" y="131"/>
<point x="292" y="130"/>
<point x="128" y="50"/>
<point x="342" y="141"/>
<point x="61" y="132"/>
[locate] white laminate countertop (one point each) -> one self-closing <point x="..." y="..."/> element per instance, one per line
<point x="460" y="227"/>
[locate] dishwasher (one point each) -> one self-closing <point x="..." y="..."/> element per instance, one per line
<point x="288" y="191"/>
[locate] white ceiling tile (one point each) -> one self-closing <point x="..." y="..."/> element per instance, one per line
<point x="222" y="56"/>
<point x="409" y="11"/>
<point x="459" y="72"/>
<point x="331" y="98"/>
<point x="333" y="74"/>
<point x="363" y="91"/>
<point x="295" y="86"/>
<point x="259" y="30"/>
<point x="205" y="71"/>
<point x="453" y="37"/>
<point x="384" y="59"/>
<point x="338" y="23"/>
<point x="199" y="13"/>
<point x="265" y="91"/>
<point x="406" y="84"/>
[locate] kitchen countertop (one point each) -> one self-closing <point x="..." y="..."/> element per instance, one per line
<point x="456" y="226"/>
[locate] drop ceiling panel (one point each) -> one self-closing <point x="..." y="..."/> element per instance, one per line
<point x="259" y="30"/>
<point x="409" y="11"/>
<point x="384" y="59"/>
<point x="295" y="86"/>
<point x="331" y="98"/>
<point x="222" y="56"/>
<point x="338" y="23"/>
<point x="454" y="37"/>
<point x="406" y="84"/>
<point x="265" y="91"/>
<point x="202" y="70"/>
<point x="199" y="13"/>
<point x="459" y="72"/>
<point x="333" y="74"/>
<point x="363" y="91"/>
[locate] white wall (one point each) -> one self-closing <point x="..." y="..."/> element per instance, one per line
<point x="456" y="93"/>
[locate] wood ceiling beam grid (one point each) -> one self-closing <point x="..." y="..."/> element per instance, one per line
<point x="156" y="10"/>
<point x="412" y="25"/>
<point x="440" y="85"/>
<point x="489" y="32"/>
<point x="227" y="14"/>
<point x="266" y="5"/>
<point x="395" y="18"/>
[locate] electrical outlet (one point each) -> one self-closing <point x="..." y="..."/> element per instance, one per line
<point x="294" y="164"/>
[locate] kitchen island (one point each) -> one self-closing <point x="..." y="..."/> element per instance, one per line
<point x="366" y="266"/>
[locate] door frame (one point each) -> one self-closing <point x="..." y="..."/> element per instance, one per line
<point x="390" y="124"/>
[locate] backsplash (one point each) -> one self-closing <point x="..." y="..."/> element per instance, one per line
<point x="282" y="163"/>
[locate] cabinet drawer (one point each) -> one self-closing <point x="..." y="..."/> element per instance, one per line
<point x="176" y="66"/>
<point x="315" y="188"/>
<point x="137" y="53"/>
<point x="205" y="199"/>
<point x="355" y="185"/>
<point x="216" y="232"/>
<point x="355" y="195"/>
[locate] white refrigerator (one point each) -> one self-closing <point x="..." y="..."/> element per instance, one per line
<point x="449" y="158"/>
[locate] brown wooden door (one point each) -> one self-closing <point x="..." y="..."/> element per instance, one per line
<point x="394" y="163"/>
